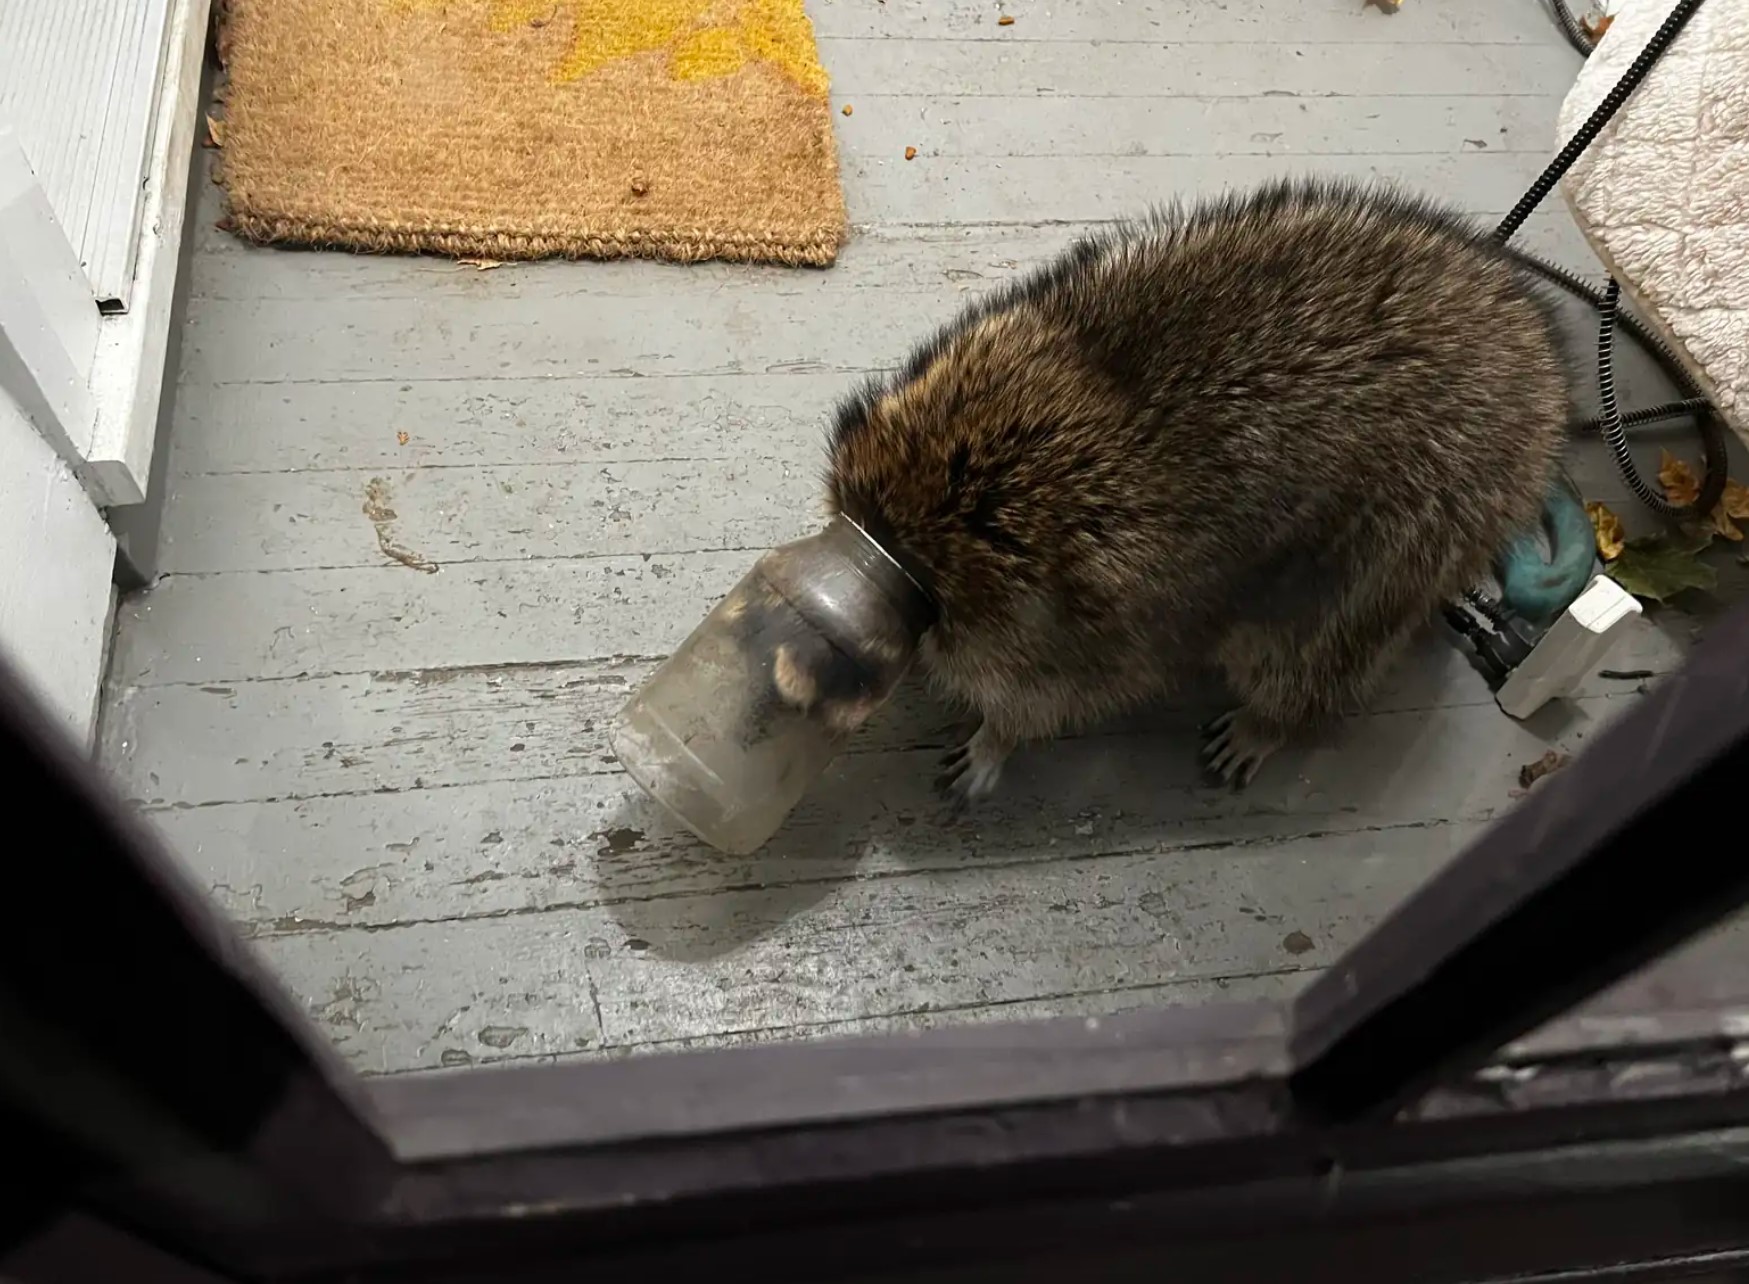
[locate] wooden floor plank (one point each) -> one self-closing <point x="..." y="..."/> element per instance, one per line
<point x="439" y="993"/>
<point x="224" y="628"/>
<point x="1299" y="24"/>
<point x="1375" y="125"/>
<point x="868" y="70"/>
<point x="366" y="733"/>
<point x="443" y="843"/>
<point x="194" y="744"/>
<point x="230" y="340"/>
<point x="227" y="628"/>
<point x="1092" y="1005"/>
<point x="813" y="955"/>
<point x="940" y="261"/>
<point x="737" y="960"/>
<point x="1076" y="188"/>
<point x="454" y="516"/>
<point x="244" y="428"/>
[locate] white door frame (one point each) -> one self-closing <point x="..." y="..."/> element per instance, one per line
<point x="49" y="318"/>
<point x="108" y="431"/>
<point x="56" y="551"/>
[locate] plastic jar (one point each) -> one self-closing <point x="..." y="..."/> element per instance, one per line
<point x="730" y="730"/>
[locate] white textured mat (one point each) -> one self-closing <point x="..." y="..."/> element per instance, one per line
<point x="1663" y="193"/>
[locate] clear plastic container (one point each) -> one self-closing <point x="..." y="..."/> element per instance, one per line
<point x="734" y="726"/>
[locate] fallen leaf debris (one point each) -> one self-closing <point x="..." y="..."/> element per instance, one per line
<point x="1682" y="488"/>
<point x="1607" y="525"/>
<point x="1532" y="772"/>
<point x="380" y="512"/>
<point x="1658" y="567"/>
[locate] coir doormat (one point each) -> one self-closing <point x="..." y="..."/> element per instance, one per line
<point x="502" y="129"/>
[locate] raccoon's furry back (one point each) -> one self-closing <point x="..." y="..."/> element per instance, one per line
<point x="1232" y="412"/>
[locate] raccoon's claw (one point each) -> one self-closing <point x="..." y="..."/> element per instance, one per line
<point x="971" y="771"/>
<point x="1235" y="748"/>
<point x="953" y="767"/>
<point x="1217" y="724"/>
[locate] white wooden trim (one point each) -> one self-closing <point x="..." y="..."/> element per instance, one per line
<point x="48" y="317"/>
<point x="27" y="220"/>
<point x="56" y="558"/>
<point x="127" y="379"/>
<point x="79" y="78"/>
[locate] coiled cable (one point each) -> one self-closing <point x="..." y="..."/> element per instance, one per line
<point x="1612" y="101"/>
<point x="1611" y="423"/>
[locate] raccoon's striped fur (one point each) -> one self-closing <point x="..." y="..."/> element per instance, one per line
<point x="1272" y="432"/>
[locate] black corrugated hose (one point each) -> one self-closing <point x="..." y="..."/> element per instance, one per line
<point x="1612" y="423"/>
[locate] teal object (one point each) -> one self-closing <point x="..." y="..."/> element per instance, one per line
<point x="1538" y="586"/>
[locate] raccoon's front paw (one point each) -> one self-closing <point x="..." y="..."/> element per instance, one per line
<point x="1235" y="745"/>
<point x="972" y="771"/>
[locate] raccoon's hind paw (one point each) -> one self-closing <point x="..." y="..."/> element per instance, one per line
<point x="972" y="771"/>
<point x="1235" y="746"/>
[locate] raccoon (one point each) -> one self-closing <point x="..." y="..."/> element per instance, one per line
<point x="1268" y="433"/>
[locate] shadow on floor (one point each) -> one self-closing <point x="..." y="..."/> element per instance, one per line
<point x="1133" y="786"/>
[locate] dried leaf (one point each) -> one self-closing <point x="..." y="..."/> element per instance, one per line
<point x="1735" y="500"/>
<point x="1006" y="20"/>
<point x="1608" y="529"/>
<point x="1596" y="24"/>
<point x="480" y="265"/>
<point x="910" y="153"/>
<point x="849" y="110"/>
<point x="1532" y="772"/>
<point x="1659" y="567"/>
<point x="402" y="438"/>
<point x="215" y="132"/>
<point x="1681" y="486"/>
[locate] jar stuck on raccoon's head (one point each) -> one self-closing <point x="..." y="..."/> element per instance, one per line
<point x="733" y="727"/>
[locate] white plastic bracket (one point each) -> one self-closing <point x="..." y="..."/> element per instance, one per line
<point x="1572" y="648"/>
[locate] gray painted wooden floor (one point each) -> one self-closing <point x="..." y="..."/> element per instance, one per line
<point x="367" y="702"/>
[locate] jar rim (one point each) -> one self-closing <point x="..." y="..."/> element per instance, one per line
<point x="882" y="540"/>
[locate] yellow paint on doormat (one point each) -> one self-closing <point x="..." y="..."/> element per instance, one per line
<point x="504" y="129"/>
